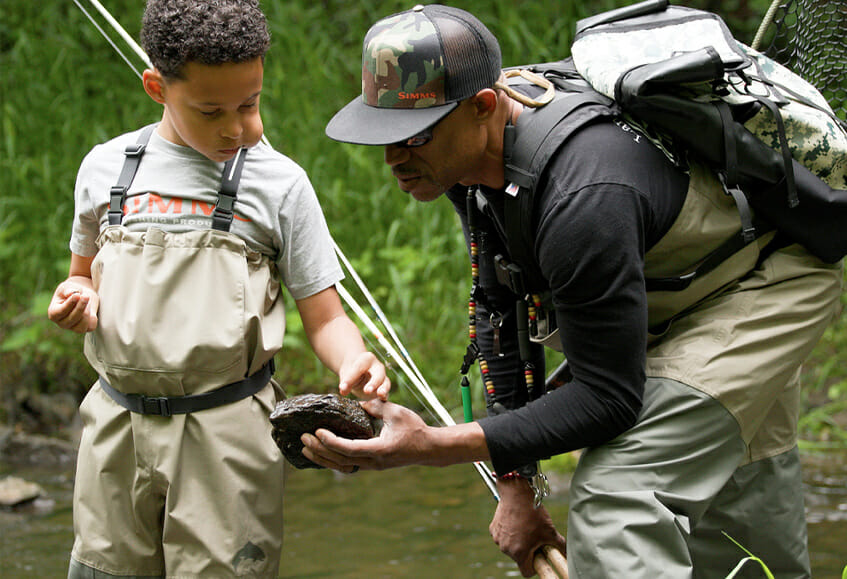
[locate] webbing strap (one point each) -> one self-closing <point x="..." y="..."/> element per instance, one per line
<point x="223" y="213"/>
<point x="170" y="405"/>
<point x="723" y="252"/>
<point x="730" y="151"/>
<point x="117" y="194"/>
<point x="526" y="153"/>
<point x="528" y="147"/>
<point x="790" y="182"/>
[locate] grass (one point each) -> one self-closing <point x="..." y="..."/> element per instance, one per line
<point x="63" y="90"/>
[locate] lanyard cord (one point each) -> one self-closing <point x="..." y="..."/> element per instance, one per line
<point x="473" y="352"/>
<point x="526" y="315"/>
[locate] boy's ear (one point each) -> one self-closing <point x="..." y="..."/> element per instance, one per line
<point x="154" y="85"/>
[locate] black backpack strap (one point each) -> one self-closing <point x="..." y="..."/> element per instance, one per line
<point x="223" y="213"/>
<point x="117" y="194"/>
<point x="528" y="147"/>
<point x="540" y="132"/>
<point x="723" y="252"/>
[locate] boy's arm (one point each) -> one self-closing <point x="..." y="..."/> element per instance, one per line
<point x="338" y="344"/>
<point x="75" y="303"/>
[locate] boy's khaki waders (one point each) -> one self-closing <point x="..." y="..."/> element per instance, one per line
<point x="196" y="494"/>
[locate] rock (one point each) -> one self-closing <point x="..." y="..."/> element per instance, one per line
<point x="15" y="491"/>
<point x="306" y="413"/>
<point x="35" y="449"/>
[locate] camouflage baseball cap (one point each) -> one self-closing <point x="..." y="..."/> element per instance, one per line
<point x="416" y="67"/>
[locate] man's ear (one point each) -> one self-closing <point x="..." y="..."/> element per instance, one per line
<point x="485" y="102"/>
<point x="154" y="85"/>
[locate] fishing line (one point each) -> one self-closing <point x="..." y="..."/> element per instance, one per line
<point x="123" y="33"/>
<point x="379" y="313"/>
<point x="399" y="377"/>
<point x="108" y="39"/>
<point x="435" y="404"/>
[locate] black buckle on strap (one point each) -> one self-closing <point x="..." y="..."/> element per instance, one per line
<point x="157" y="405"/>
<point x="169" y="406"/>
<point x="135" y="150"/>
<point x="116" y="197"/>
<point x="226" y="203"/>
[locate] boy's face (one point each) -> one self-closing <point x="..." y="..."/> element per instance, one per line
<point x="214" y="109"/>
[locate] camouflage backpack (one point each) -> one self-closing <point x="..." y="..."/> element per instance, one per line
<point x="679" y="75"/>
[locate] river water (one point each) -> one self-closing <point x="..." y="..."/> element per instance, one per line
<point x="413" y="522"/>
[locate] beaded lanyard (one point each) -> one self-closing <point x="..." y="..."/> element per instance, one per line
<point x="527" y="309"/>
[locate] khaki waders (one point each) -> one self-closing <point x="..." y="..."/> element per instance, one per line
<point x="714" y="448"/>
<point x="189" y="483"/>
<point x="196" y="494"/>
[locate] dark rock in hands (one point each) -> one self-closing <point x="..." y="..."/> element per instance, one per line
<point x="306" y="413"/>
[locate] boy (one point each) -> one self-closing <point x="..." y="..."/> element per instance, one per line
<point x="181" y="233"/>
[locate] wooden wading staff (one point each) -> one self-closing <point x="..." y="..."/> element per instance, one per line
<point x="548" y="561"/>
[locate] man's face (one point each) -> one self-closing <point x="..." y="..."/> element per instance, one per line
<point x="427" y="171"/>
<point x="214" y="109"/>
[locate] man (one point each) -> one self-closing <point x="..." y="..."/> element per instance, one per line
<point x="685" y="402"/>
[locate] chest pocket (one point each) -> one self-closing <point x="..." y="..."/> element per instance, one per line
<point x="181" y="313"/>
<point x="172" y="310"/>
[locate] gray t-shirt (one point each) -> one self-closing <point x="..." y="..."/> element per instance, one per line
<point x="276" y="213"/>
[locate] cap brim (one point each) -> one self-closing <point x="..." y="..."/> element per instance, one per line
<point x="362" y="124"/>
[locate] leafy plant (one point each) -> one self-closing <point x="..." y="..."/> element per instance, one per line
<point x="65" y="90"/>
<point x="749" y="559"/>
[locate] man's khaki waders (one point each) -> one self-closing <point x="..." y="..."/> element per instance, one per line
<point x="193" y="494"/>
<point x="714" y="448"/>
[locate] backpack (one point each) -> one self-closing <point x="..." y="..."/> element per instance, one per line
<point x="679" y="75"/>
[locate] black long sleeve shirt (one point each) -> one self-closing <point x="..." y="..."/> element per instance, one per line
<point x="606" y="197"/>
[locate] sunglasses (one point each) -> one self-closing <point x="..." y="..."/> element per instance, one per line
<point x="418" y="140"/>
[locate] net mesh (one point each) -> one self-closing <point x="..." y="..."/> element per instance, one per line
<point x="810" y="38"/>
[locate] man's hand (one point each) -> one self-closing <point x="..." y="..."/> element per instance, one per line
<point x="518" y="528"/>
<point x="405" y="439"/>
<point x="401" y="442"/>
<point x="74" y="307"/>
<point x="365" y="377"/>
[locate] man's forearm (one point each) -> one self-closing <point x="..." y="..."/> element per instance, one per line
<point x="456" y="444"/>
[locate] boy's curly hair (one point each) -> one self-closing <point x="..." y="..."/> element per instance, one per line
<point x="176" y="32"/>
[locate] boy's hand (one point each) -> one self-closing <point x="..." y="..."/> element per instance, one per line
<point x="365" y="376"/>
<point x="74" y="307"/>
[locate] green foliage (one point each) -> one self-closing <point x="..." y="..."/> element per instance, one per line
<point x="561" y="463"/>
<point x="825" y="390"/>
<point x="749" y="559"/>
<point x="63" y="90"/>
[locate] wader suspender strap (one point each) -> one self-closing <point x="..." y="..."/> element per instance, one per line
<point x="221" y="220"/>
<point x="222" y="215"/>
<point x="117" y="194"/>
